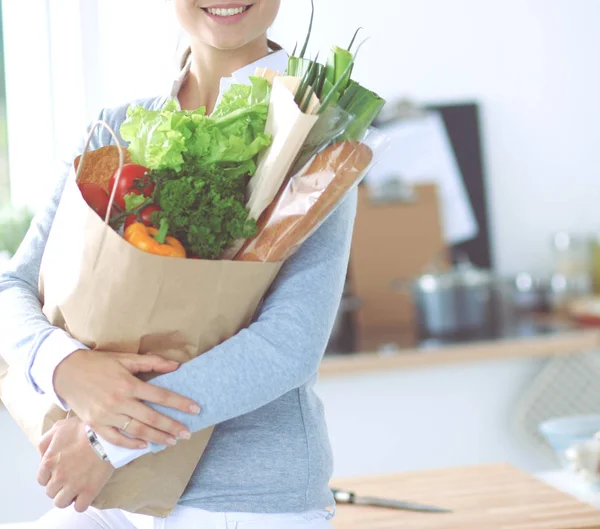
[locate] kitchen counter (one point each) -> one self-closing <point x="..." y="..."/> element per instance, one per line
<point x="480" y="497"/>
<point x="562" y="341"/>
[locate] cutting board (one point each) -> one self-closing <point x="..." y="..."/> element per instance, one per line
<point x="483" y="497"/>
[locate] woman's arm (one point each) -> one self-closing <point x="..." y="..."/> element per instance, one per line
<point x="26" y="336"/>
<point x="28" y="339"/>
<point x="281" y="350"/>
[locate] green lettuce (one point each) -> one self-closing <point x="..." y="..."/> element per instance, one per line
<point x="244" y="99"/>
<point x="133" y="201"/>
<point x="235" y="132"/>
<point x="158" y="138"/>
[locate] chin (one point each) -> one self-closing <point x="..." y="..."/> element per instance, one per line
<point x="227" y="43"/>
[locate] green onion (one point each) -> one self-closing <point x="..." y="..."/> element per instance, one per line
<point x="353" y="39"/>
<point x="301" y="67"/>
<point x="307" y="81"/>
<point x="319" y="81"/>
<point x="310" y="25"/>
<point x="298" y="66"/>
<point x="292" y="68"/>
<point x="307" y="100"/>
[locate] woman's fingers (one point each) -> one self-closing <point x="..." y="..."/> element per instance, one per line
<point x="164" y="397"/>
<point x="138" y="363"/>
<point x="143" y="424"/>
<point x="43" y="474"/>
<point x="83" y="502"/>
<point x="113" y="436"/>
<point x="53" y="488"/>
<point x="44" y="442"/>
<point x="139" y="430"/>
<point x="148" y="416"/>
<point x="140" y="434"/>
<point x="64" y="498"/>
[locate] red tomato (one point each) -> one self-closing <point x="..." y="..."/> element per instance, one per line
<point x="131" y="219"/>
<point x="133" y="180"/>
<point x="146" y="213"/>
<point x="143" y="216"/>
<point x="96" y="198"/>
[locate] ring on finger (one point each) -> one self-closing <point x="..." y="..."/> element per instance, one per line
<point x="127" y="423"/>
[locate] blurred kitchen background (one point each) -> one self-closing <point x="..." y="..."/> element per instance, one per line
<point x="472" y="309"/>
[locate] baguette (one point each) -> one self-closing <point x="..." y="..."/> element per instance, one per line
<point x="306" y="201"/>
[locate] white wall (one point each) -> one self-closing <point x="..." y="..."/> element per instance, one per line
<point x="532" y="64"/>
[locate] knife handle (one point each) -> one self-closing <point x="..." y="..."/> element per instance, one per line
<point x="343" y="496"/>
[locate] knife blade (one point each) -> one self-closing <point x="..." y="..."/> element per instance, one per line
<point x="350" y="498"/>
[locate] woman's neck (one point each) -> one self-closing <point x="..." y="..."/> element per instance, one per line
<point x="209" y="65"/>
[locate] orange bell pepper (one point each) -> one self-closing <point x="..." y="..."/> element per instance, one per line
<point x="147" y="239"/>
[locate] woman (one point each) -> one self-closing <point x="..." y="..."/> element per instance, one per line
<point x="269" y="462"/>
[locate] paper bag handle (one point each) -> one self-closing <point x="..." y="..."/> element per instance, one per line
<point x="119" y="170"/>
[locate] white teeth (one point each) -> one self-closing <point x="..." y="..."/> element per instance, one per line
<point x="229" y="12"/>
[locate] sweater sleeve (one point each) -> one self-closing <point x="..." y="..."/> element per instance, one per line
<point x="280" y="351"/>
<point x="26" y="336"/>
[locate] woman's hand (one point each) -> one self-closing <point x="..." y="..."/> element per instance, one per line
<point x="70" y="469"/>
<point x="102" y="390"/>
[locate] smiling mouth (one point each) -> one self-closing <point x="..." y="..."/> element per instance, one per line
<point x="226" y="12"/>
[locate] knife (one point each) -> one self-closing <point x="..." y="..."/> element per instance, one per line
<point x="347" y="497"/>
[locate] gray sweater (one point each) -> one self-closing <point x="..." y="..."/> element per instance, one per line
<point x="270" y="450"/>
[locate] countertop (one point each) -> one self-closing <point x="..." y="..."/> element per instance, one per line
<point x="562" y="339"/>
<point x="482" y="497"/>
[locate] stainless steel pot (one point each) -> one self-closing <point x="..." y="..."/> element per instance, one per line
<point x="456" y="303"/>
<point x="342" y="338"/>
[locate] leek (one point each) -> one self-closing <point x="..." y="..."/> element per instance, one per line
<point x="333" y="85"/>
<point x="364" y="105"/>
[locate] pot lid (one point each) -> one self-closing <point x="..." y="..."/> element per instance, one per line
<point x="464" y="274"/>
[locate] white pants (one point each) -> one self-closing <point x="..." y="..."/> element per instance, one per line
<point x="182" y="518"/>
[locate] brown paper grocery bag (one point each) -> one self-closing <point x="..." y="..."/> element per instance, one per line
<point x="113" y="297"/>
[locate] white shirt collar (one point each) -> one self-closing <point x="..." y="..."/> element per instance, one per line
<point x="276" y="61"/>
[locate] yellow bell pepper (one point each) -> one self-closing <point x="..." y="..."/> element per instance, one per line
<point x="145" y="238"/>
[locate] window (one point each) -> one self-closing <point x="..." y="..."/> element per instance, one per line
<point x="4" y="175"/>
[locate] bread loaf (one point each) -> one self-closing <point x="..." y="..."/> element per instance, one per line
<point x="306" y="201"/>
<point x="100" y="164"/>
